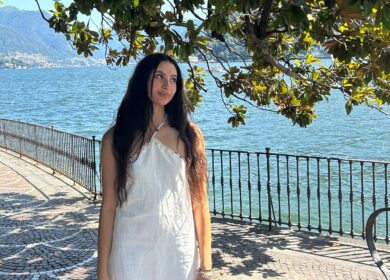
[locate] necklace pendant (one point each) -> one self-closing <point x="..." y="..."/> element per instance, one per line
<point x="157" y="128"/>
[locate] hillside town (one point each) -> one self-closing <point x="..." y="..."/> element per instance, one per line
<point x="19" y="60"/>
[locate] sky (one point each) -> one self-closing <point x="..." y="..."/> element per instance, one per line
<point x="46" y="5"/>
<point x="31" y="5"/>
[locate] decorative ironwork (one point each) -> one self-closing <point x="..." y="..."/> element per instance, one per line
<point x="313" y="193"/>
<point x="71" y="155"/>
<point x="341" y="186"/>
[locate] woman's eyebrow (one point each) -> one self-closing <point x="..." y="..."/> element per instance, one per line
<point x="161" y="72"/>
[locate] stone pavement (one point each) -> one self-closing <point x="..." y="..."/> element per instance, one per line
<point x="48" y="230"/>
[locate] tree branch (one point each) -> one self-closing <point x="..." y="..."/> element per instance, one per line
<point x="271" y="60"/>
<point x="195" y="14"/>
<point x="251" y="104"/>
<point x="219" y="83"/>
<point x="173" y="7"/>
<point x="40" y="10"/>
<point x="379" y="109"/>
<point x="193" y="77"/>
<point x="217" y="80"/>
<point x="275" y="31"/>
<point x="264" y="20"/>
<point x="236" y="53"/>
<point x="209" y="9"/>
<point x="179" y="11"/>
<point x="219" y="59"/>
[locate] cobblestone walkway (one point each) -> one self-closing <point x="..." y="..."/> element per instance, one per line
<point x="48" y="230"/>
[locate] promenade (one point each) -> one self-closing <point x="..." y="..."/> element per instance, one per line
<point x="48" y="230"/>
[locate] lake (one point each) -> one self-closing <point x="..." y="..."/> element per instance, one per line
<point x="84" y="100"/>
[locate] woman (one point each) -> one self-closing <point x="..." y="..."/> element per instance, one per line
<point x="154" y="220"/>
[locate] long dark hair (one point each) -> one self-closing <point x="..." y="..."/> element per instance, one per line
<point x="133" y="119"/>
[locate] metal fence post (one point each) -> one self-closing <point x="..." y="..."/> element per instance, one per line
<point x="267" y="150"/>
<point x="20" y="141"/>
<point x="36" y="142"/>
<point x="94" y="167"/>
<point x="51" y="149"/>
<point x="3" y="132"/>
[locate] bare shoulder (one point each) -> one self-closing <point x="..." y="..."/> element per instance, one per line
<point x="107" y="141"/>
<point x="109" y="171"/>
<point x="108" y="135"/>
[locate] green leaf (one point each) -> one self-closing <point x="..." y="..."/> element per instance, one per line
<point x="284" y="87"/>
<point x="297" y="14"/>
<point x="385" y="18"/>
<point x="190" y="25"/>
<point x="94" y="33"/>
<point x="367" y="7"/>
<point x="57" y="6"/>
<point x="294" y="14"/>
<point x="72" y="12"/>
<point x="348" y="106"/>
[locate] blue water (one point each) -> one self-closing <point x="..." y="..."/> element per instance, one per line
<point x="84" y="101"/>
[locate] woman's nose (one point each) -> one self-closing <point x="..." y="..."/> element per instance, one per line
<point x="165" y="82"/>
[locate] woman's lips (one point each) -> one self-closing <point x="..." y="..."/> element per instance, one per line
<point x="164" y="94"/>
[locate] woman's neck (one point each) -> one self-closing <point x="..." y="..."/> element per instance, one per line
<point x="158" y="115"/>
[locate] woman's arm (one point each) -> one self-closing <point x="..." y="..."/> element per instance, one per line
<point x="201" y="212"/>
<point x="108" y="208"/>
<point x="203" y="233"/>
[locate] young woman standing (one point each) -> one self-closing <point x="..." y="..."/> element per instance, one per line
<point x="154" y="220"/>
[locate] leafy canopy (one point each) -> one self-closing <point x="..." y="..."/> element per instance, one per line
<point x="281" y="70"/>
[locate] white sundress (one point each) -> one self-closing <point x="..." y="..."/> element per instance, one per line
<point x="154" y="233"/>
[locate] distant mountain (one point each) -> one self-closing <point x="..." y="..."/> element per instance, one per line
<point x="26" y="40"/>
<point x="26" y="33"/>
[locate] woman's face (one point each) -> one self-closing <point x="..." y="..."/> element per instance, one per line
<point x="163" y="84"/>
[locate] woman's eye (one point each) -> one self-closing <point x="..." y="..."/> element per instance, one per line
<point x="173" y="80"/>
<point x="158" y="76"/>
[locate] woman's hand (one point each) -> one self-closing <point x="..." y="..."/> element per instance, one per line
<point x="205" y="275"/>
<point x="104" y="277"/>
<point x="201" y="277"/>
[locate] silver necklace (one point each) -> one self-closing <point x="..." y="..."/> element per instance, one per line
<point x="157" y="128"/>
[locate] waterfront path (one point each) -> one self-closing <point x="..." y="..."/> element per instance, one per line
<point x="48" y="230"/>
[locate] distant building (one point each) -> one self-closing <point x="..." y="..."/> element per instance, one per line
<point x="193" y="59"/>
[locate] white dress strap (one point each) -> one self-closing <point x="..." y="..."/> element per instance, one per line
<point x="159" y="126"/>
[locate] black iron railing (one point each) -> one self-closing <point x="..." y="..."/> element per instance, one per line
<point x="313" y="193"/>
<point x="68" y="154"/>
<point x="332" y="195"/>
